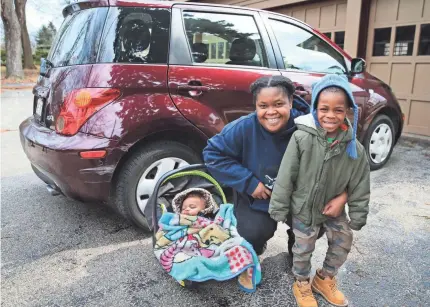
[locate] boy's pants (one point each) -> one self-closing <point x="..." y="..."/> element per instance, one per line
<point x="339" y="236"/>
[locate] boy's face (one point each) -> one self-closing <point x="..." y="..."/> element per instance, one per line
<point x="273" y="108"/>
<point x="331" y="111"/>
<point x="193" y="205"/>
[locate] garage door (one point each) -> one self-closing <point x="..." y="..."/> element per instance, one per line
<point x="329" y="17"/>
<point x="398" y="52"/>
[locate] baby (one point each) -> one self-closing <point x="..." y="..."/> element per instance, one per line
<point x="195" y="202"/>
<point x="199" y="202"/>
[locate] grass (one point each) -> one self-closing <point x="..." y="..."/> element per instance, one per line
<point x="30" y="76"/>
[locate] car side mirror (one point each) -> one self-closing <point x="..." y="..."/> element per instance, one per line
<point x="358" y="65"/>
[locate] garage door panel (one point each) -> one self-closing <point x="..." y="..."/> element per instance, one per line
<point x="386" y="11"/>
<point x="410" y="10"/>
<point x="426" y="13"/>
<point x="380" y="70"/>
<point x="419" y="114"/>
<point x="299" y="14"/>
<point x="401" y="80"/>
<point x="341" y="15"/>
<point x="421" y="79"/>
<point x="327" y="13"/>
<point x="313" y="17"/>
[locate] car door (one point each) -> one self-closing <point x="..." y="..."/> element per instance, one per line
<point x="304" y="56"/>
<point x="215" y="55"/>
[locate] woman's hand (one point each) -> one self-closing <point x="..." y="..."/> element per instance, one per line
<point x="261" y="192"/>
<point x="335" y="207"/>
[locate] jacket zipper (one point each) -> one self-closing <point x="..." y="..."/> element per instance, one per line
<point x="326" y="158"/>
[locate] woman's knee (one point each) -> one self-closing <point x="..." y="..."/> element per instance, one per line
<point x="257" y="232"/>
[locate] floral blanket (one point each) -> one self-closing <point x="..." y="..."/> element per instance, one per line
<point x="196" y="248"/>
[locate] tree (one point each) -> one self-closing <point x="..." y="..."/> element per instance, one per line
<point x="12" y="30"/>
<point x="25" y="39"/>
<point x="52" y="29"/>
<point x="46" y="35"/>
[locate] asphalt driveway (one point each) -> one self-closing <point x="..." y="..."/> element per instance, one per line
<point x="59" y="252"/>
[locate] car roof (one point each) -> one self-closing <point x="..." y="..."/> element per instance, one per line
<point x="169" y="4"/>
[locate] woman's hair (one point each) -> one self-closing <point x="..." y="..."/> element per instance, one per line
<point x="281" y="82"/>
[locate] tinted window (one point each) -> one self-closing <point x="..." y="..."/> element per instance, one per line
<point x="136" y="35"/>
<point x="301" y="50"/>
<point x="424" y="47"/>
<point x="404" y="40"/>
<point x="232" y="39"/>
<point x="381" y="42"/>
<point x="328" y="34"/>
<point x="339" y="38"/>
<point x="78" y="39"/>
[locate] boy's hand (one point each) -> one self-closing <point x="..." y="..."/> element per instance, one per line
<point x="335" y="207"/>
<point x="261" y="192"/>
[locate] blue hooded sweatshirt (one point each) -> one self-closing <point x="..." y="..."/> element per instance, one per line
<point x="244" y="153"/>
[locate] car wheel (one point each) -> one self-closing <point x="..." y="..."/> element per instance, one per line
<point x="139" y="175"/>
<point x="379" y="141"/>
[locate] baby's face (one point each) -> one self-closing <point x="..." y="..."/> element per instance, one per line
<point x="193" y="205"/>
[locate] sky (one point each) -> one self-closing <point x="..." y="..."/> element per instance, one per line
<point x="39" y="13"/>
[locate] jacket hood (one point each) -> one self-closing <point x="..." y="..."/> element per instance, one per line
<point x="340" y="81"/>
<point x="308" y="123"/>
<point x="211" y="205"/>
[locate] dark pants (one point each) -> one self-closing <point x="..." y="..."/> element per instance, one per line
<point x="256" y="227"/>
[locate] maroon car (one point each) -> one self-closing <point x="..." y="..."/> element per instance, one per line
<point x="133" y="89"/>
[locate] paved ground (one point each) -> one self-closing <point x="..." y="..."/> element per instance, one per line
<point x="58" y="252"/>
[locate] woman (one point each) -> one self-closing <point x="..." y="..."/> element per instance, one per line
<point x="247" y="153"/>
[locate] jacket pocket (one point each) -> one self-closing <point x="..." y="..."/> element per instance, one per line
<point x="299" y="199"/>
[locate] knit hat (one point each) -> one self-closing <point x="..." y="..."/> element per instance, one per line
<point x="340" y="81"/>
<point x="211" y="205"/>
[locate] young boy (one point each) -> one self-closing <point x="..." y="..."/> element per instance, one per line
<point x="322" y="160"/>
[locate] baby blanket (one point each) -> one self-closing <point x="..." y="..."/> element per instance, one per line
<point x="196" y="248"/>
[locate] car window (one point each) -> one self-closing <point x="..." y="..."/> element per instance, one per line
<point x="135" y="35"/>
<point x="302" y="50"/>
<point x="224" y="39"/>
<point x="78" y="38"/>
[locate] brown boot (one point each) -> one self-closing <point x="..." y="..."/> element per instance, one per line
<point x="303" y="293"/>
<point x="327" y="287"/>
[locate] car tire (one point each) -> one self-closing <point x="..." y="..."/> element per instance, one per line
<point x="379" y="141"/>
<point x="125" y="192"/>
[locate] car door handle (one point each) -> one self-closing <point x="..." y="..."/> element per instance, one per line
<point x="194" y="90"/>
<point x="188" y="87"/>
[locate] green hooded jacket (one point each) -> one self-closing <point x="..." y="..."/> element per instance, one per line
<point x="313" y="172"/>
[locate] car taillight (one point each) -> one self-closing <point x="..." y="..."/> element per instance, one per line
<point x="79" y="105"/>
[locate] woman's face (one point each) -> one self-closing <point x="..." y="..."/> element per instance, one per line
<point x="273" y="108"/>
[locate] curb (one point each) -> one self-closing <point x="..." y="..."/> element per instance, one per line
<point x="17" y="86"/>
<point x="415" y="138"/>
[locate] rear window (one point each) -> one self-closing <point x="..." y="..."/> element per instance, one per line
<point x="78" y="39"/>
<point x="135" y="35"/>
